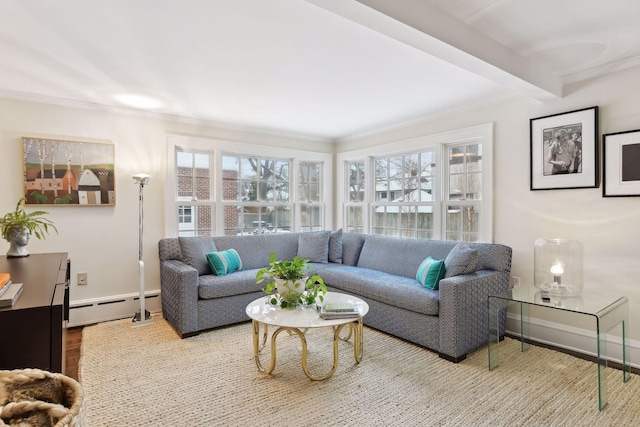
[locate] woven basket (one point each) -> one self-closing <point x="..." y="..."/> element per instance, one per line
<point x="40" y="398"/>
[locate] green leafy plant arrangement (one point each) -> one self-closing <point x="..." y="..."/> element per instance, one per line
<point x="33" y="221"/>
<point x="307" y="289"/>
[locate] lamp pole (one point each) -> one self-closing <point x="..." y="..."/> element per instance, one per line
<point x="142" y="317"/>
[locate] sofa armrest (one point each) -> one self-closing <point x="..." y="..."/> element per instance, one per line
<point x="179" y="287"/>
<point x="463" y="311"/>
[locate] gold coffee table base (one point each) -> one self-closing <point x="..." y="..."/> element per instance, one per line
<point x="354" y="328"/>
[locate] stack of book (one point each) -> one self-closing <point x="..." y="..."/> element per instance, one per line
<point x="9" y="292"/>
<point x="339" y="311"/>
<point x="5" y="282"/>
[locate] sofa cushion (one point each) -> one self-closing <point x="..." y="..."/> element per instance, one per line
<point x="351" y="247"/>
<point x="400" y="256"/>
<point x="254" y="250"/>
<point x="387" y="288"/>
<point x="493" y="256"/>
<point x="224" y="262"/>
<point x="335" y="246"/>
<point x="169" y="248"/>
<point x="314" y="246"/>
<point x="194" y="250"/>
<point x="236" y="283"/>
<point x="430" y="272"/>
<point x="461" y="260"/>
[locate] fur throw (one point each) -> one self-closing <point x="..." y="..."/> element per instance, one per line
<point x="32" y="398"/>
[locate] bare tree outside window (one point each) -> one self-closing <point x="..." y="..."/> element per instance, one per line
<point x="356" y="181"/>
<point x="260" y="190"/>
<point x="309" y="196"/>
<point x="403" y="200"/>
<point x="465" y="188"/>
<point x="354" y="204"/>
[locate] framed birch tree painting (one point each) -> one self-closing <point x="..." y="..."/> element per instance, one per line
<point x="71" y="173"/>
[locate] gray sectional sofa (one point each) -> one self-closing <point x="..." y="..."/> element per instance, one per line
<point x="451" y="320"/>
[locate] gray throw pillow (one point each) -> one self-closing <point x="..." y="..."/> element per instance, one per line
<point x="351" y="247"/>
<point x="461" y="260"/>
<point x="314" y="246"/>
<point x="194" y="252"/>
<point x="335" y="247"/>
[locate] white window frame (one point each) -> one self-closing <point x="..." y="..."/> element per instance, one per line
<point x="346" y="201"/>
<point x="217" y="147"/>
<point x="290" y="204"/>
<point x="299" y="204"/>
<point x="193" y="202"/>
<point x="434" y="203"/>
<point x="446" y="194"/>
<point x="476" y="134"/>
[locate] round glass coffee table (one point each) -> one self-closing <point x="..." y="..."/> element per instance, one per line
<point x="296" y="321"/>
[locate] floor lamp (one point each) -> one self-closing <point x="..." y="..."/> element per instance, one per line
<point x="141" y="179"/>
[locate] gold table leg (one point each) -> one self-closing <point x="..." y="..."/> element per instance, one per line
<point x="355" y="329"/>
<point x="358" y="339"/>
<point x="258" y="346"/>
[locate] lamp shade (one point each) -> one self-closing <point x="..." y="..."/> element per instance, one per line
<point x="558" y="266"/>
<point x="141" y="178"/>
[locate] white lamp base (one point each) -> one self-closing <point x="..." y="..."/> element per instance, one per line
<point x="147" y="319"/>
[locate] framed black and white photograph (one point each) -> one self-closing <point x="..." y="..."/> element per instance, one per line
<point x="621" y="158"/>
<point x="564" y="150"/>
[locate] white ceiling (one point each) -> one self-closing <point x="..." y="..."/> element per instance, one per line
<point x="327" y="69"/>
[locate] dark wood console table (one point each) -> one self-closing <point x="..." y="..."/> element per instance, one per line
<point x="33" y="328"/>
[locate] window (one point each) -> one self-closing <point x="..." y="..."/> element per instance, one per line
<point x="464" y="195"/>
<point x="404" y="194"/>
<point x="355" y="203"/>
<point x="185" y="217"/>
<point x="255" y="195"/>
<point x="222" y="188"/>
<point x="310" y="196"/>
<point x="433" y="187"/>
<point x="193" y="193"/>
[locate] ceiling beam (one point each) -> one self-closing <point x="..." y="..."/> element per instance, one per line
<point x="416" y="23"/>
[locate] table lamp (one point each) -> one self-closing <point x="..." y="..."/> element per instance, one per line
<point x="558" y="266"/>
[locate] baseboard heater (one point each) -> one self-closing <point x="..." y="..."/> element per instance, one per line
<point x="90" y="311"/>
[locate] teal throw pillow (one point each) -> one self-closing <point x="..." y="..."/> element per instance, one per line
<point x="430" y="273"/>
<point x="224" y="262"/>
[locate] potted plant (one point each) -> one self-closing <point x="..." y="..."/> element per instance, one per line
<point x="18" y="226"/>
<point x="289" y="278"/>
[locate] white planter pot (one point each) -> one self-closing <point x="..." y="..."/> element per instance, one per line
<point x="285" y="286"/>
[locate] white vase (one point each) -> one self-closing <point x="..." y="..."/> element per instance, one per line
<point x="285" y="287"/>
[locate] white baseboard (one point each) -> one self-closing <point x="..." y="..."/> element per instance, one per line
<point x="96" y="310"/>
<point x="575" y="339"/>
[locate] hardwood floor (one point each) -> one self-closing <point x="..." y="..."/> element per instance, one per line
<point x="72" y="357"/>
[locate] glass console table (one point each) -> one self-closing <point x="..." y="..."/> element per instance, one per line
<point x="607" y="311"/>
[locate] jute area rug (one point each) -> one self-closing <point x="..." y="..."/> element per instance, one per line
<point x="147" y="376"/>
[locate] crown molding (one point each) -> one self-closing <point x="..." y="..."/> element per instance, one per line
<point x="83" y="105"/>
<point x="601" y="70"/>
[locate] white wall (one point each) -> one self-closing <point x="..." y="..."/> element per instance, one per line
<point x="609" y="228"/>
<point x="103" y="241"/>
